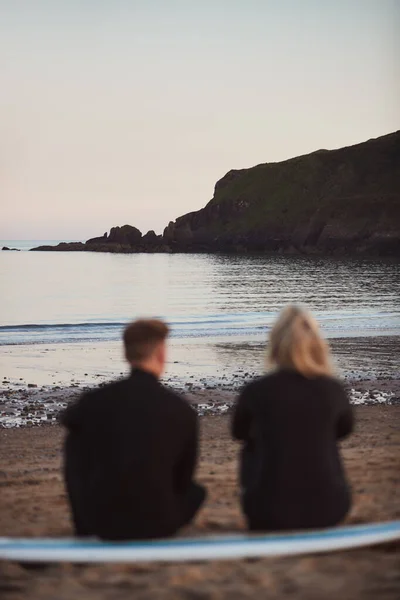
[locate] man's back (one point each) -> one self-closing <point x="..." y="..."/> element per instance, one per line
<point x="131" y="450"/>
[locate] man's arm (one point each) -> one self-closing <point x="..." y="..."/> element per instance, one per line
<point x="72" y="416"/>
<point x="241" y="420"/>
<point x="187" y="463"/>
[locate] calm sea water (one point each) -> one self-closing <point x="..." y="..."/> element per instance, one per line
<point x="213" y="302"/>
<point x="62" y="297"/>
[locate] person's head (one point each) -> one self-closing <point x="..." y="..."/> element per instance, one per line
<point x="296" y="343"/>
<point x="144" y="342"/>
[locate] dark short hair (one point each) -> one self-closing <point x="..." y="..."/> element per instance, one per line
<point x="142" y="336"/>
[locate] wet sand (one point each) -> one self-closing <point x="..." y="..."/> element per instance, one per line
<point x="207" y="363"/>
<point x="33" y="503"/>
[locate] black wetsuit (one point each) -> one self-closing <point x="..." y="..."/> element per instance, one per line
<point x="130" y="456"/>
<point x="291" y="472"/>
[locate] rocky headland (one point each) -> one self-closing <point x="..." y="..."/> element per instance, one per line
<point x="343" y="201"/>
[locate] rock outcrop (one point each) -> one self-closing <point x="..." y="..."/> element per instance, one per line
<point x="125" y="239"/>
<point x="338" y="201"/>
<point x="331" y="202"/>
<point x="64" y="247"/>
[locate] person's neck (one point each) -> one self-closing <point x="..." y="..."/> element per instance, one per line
<point x="148" y="367"/>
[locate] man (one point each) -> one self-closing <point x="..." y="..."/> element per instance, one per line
<point x="131" y="449"/>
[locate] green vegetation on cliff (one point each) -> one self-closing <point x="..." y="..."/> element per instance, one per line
<point x="338" y="200"/>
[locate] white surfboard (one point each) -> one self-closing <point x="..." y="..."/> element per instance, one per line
<point x="201" y="548"/>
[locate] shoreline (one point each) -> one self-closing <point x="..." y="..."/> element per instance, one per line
<point x="215" y="358"/>
<point x="209" y="373"/>
<point x="35" y="406"/>
<point x="309" y="252"/>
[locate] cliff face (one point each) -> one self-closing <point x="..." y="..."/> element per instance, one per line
<point x="331" y="202"/>
<point x="345" y="200"/>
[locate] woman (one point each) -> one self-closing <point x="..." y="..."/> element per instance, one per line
<point x="290" y="421"/>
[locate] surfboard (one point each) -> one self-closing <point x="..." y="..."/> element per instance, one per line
<point x="201" y="548"/>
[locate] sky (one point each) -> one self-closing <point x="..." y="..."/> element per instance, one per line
<point x="129" y="111"/>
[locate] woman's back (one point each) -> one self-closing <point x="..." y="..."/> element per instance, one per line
<point x="291" y="469"/>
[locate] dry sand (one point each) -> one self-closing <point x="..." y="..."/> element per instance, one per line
<point x="33" y="503"/>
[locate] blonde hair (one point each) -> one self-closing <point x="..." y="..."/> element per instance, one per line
<point x="296" y="343"/>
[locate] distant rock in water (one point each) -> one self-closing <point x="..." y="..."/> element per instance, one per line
<point x="63" y="247"/>
<point x="125" y="239"/>
<point x="11" y="249"/>
<point x="342" y="201"/>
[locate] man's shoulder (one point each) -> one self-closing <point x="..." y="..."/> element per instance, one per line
<point x="173" y="395"/>
<point x="104" y="390"/>
<point x="177" y="400"/>
<point x="89" y="404"/>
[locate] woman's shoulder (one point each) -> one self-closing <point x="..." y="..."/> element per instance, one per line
<point x="291" y="375"/>
<point x="279" y="376"/>
<point x="261" y="382"/>
<point x="251" y="388"/>
<point x="331" y="381"/>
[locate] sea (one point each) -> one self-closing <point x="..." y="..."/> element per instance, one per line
<point x="62" y="313"/>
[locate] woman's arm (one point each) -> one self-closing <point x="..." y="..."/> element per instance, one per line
<point x="345" y="421"/>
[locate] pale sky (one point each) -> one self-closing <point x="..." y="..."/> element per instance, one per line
<point x="129" y="111"/>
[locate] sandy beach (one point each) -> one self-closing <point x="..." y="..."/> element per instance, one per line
<point x="33" y="503"/>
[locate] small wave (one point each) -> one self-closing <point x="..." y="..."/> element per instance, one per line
<point x="193" y="326"/>
<point x="52" y="326"/>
